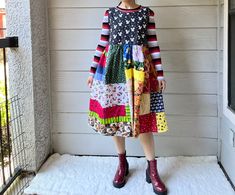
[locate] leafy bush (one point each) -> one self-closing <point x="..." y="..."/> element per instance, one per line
<point x="4" y="137"/>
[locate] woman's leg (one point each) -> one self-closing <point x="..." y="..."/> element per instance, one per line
<point x="147" y="143"/>
<point x="152" y="175"/>
<point x="123" y="166"/>
<point x="119" y="144"/>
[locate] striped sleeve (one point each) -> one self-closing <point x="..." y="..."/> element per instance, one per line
<point x="153" y="45"/>
<point x="104" y="39"/>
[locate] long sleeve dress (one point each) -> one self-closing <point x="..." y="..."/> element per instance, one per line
<point x="125" y="98"/>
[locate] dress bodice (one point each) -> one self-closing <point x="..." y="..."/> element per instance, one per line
<point x="128" y="27"/>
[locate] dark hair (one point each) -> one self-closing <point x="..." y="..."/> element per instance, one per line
<point x="119" y="3"/>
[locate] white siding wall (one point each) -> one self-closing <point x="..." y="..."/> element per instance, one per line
<point x="188" y="36"/>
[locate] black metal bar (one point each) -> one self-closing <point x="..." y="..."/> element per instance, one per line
<point x="8" y="42"/>
<point x="14" y="146"/>
<point x="19" y="112"/>
<point x="19" y="172"/>
<point x="7" y="111"/>
<point x="17" y="129"/>
<point x="10" y="181"/>
<point x="11" y="42"/>
<point x="21" y="168"/>
<point x="1" y="146"/>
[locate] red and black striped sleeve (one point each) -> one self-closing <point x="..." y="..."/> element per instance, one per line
<point x="104" y="39"/>
<point x="153" y="44"/>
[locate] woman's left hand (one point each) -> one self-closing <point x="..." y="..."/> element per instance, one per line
<point x="162" y="84"/>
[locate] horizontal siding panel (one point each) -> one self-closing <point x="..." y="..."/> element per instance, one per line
<point x="74" y="18"/>
<point x="169" y="39"/>
<point x="204" y="105"/>
<point x="183" y="126"/>
<point x="71" y="60"/>
<point x="186" y="61"/>
<point x="87" y="144"/>
<point x="176" y="82"/>
<point x="177" y="2"/>
<point x="189" y="83"/>
<point x="190" y="57"/>
<point x="108" y="3"/>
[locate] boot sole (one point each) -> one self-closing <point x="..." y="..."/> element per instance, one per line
<point x="120" y="185"/>
<point x="148" y="180"/>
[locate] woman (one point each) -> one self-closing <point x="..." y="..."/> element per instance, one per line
<point x="126" y="80"/>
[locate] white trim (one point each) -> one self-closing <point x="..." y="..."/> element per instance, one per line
<point x="226" y="110"/>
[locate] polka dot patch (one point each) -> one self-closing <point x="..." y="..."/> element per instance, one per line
<point x="161" y="122"/>
<point x="156" y="102"/>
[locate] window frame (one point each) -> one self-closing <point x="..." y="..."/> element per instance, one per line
<point x="227" y="111"/>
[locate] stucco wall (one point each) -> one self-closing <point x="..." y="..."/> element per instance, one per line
<point x="29" y="74"/>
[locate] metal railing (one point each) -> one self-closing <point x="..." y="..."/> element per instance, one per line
<point x="13" y="163"/>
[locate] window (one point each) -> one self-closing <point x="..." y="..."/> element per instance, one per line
<point x="231" y="56"/>
<point x="2" y="19"/>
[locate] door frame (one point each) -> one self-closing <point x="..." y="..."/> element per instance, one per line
<point x="226" y="110"/>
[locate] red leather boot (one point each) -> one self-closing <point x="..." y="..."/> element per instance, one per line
<point x="152" y="176"/>
<point x="122" y="171"/>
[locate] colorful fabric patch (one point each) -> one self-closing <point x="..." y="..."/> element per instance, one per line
<point x="113" y="111"/>
<point x="148" y="123"/>
<point x="109" y="95"/>
<point x="132" y="73"/>
<point x="123" y="129"/>
<point x="112" y="119"/>
<point x="156" y="104"/>
<point x="162" y="124"/>
<point x="145" y="104"/>
<point x="125" y="99"/>
<point x="115" y="71"/>
<point x="101" y="67"/>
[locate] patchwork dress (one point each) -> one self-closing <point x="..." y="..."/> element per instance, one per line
<point x="125" y="99"/>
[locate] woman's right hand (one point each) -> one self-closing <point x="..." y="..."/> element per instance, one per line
<point x="90" y="81"/>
